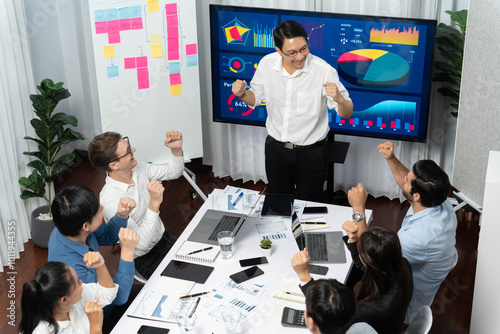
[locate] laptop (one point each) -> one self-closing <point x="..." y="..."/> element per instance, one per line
<point x="214" y="221"/>
<point x="323" y="247"/>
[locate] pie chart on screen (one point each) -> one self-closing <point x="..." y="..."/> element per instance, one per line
<point x="373" y="68"/>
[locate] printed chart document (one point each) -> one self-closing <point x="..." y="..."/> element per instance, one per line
<point x="234" y="199"/>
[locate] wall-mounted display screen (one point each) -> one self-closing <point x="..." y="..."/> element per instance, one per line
<point x="385" y="64"/>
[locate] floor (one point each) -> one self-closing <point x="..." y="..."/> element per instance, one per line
<point x="451" y="307"/>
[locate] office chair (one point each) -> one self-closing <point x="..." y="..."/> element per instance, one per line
<point x="139" y="277"/>
<point x="422" y="322"/>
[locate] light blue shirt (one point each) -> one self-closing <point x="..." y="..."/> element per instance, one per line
<point x="428" y="242"/>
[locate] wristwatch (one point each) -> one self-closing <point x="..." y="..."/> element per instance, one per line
<point x="358" y="216"/>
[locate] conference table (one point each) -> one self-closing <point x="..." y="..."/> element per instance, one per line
<point x="266" y="316"/>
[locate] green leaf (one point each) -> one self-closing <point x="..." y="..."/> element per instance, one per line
<point x="441" y="65"/>
<point x="447" y="91"/>
<point x="39" y="166"/>
<point x="38" y="141"/>
<point x="69" y="136"/>
<point x="25" y="194"/>
<point x="64" y="119"/>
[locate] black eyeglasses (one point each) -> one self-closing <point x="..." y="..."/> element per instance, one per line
<point x="128" y="152"/>
<point x="293" y="53"/>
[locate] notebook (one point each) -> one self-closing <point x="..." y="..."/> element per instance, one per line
<point x="197" y="251"/>
<point x="289" y="290"/>
<point x="187" y="271"/>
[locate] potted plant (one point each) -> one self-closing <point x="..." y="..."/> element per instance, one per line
<point x="51" y="133"/>
<point x="266" y="247"/>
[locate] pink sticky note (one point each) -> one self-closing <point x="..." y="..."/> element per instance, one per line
<point x="130" y="63"/>
<point x="114" y="37"/>
<point x="175" y="79"/>
<point x="101" y="27"/>
<point x="136" y="23"/>
<point x="141" y="61"/>
<point x="171" y="8"/>
<point x="190" y="49"/>
<point x="113" y="26"/>
<point x="173" y="54"/>
<point x="172" y="21"/>
<point x="124" y="24"/>
<point x="173" y="43"/>
<point x="173" y="32"/>
<point x="143" y="77"/>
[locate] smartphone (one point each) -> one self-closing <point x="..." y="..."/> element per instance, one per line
<point x="253" y="261"/>
<point x="246" y="274"/>
<point x="319" y="270"/>
<point x="152" y="330"/>
<point x="315" y="209"/>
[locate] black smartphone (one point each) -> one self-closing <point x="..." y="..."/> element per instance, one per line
<point x="318" y="270"/>
<point x="152" y="330"/>
<point x="315" y="209"/>
<point x="246" y="274"/>
<point x="253" y="261"/>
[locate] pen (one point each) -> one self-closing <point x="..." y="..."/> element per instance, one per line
<point x="195" y="295"/>
<point x="294" y="294"/>
<point x="200" y="250"/>
<point x="194" y="307"/>
<point x="317" y="223"/>
<point x="238" y="198"/>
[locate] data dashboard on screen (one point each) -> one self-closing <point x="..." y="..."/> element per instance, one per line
<point x="385" y="64"/>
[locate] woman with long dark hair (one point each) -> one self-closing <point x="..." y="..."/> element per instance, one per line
<point x="384" y="292"/>
<point x="55" y="301"/>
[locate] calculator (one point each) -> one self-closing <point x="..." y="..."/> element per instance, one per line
<point x="293" y="318"/>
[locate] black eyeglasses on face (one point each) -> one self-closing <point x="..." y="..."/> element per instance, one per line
<point x="294" y="53"/>
<point x="128" y="151"/>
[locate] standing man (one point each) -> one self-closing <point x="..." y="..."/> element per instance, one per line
<point x="140" y="181"/>
<point x="297" y="87"/>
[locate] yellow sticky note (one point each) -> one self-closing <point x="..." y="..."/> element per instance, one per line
<point x="156" y="51"/>
<point x="175" y="90"/>
<point x="109" y="51"/>
<point x="155" y="39"/>
<point x="153" y="6"/>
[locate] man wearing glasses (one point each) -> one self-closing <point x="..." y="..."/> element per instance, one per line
<point x="127" y="177"/>
<point x="297" y="87"/>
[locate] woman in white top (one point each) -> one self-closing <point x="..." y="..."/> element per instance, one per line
<point x="55" y="301"/>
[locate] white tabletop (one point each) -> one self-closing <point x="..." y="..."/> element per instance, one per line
<point x="268" y="317"/>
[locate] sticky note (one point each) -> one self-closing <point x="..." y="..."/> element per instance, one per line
<point x="190" y="49"/>
<point x="191" y="60"/>
<point x="171" y="8"/>
<point x="109" y="51"/>
<point x="111" y="14"/>
<point x="175" y="79"/>
<point x="114" y="37"/>
<point x="173" y="43"/>
<point x="172" y="21"/>
<point x="141" y="61"/>
<point x="136" y="23"/>
<point x="135" y="11"/>
<point x="174" y="67"/>
<point x="173" y="32"/>
<point x="156" y="51"/>
<point x="112" y="71"/>
<point x="155" y="39"/>
<point x="124" y="24"/>
<point x="129" y="63"/>
<point x="143" y="77"/>
<point x="123" y="13"/>
<point x="175" y="90"/>
<point x="100" y="15"/>
<point x="153" y="6"/>
<point x="113" y="26"/>
<point x="101" y="27"/>
<point x="173" y="54"/>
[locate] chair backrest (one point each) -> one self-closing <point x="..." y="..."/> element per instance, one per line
<point x="422" y="322"/>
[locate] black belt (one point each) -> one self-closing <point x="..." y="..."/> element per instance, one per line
<point x="291" y="146"/>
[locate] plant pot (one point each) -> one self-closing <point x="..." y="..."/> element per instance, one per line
<point x="266" y="251"/>
<point x="41" y="229"/>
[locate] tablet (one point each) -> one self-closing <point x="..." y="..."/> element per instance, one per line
<point x="188" y="271"/>
<point x="277" y="205"/>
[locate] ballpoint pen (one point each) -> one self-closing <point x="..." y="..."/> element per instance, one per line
<point x="200" y="250"/>
<point x="314" y="223"/>
<point x="238" y="198"/>
<point x="194" y="295"/>
<point x="294" y="294"/>
<point x="190" y="314"/>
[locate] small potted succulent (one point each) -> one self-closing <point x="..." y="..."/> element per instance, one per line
<point x="266" y="247"/>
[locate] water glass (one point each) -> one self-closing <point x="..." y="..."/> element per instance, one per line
<point x="226" y="243"/>
<point x="232" y="319"/>
<point x="186" y="322"/>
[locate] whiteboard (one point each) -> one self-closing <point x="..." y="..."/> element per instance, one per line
<point x="146" y="61"/>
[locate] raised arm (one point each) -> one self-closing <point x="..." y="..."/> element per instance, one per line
<point x="124" y="277"/>
<point x="240" y="90"/>
<point x="357" y="199"/>
<point x="173" y="141"/>
<point x="399" y="171"/>
<point x="96" y="261"/>
<point x="107" y="234"/>
<point x="344" y="106"/>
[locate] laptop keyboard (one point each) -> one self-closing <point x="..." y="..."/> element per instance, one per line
<point x="316" y="243"/>
<point x="226" y="223"/>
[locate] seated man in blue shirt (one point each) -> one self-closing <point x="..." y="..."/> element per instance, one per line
<point x="427" y="234"/>
<point x="78" y="218"/>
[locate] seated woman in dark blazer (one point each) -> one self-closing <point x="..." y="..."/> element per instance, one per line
<point x="384" y="292"/>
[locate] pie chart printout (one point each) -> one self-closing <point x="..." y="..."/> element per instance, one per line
<point x="371" y="68"/>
